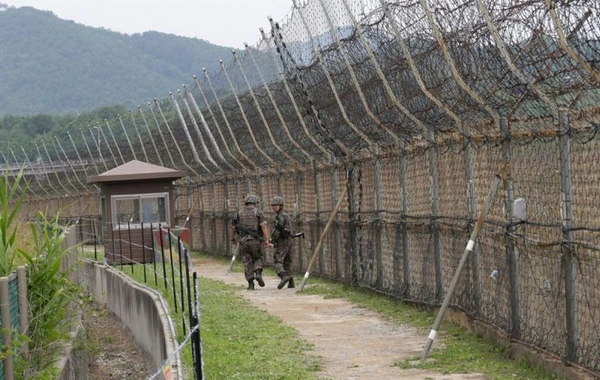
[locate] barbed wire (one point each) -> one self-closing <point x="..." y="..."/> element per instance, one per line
<point x="419" y="101"/>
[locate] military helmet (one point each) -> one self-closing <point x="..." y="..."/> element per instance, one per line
<point x="251" y="198"/>
<point x="277" y="200"/>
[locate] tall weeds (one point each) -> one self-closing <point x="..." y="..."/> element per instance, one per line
<point x="49" y="289"/>
<point x="11" y="198"/>
<point x="51" y="294"/>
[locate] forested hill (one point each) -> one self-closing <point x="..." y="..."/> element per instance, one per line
<point x="54" y="66"/>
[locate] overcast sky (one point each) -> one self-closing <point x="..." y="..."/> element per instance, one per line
<point x="222" y="22"/>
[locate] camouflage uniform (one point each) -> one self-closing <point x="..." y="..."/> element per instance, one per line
<point x="251" y="247"/>
<point x="281" y="237"/>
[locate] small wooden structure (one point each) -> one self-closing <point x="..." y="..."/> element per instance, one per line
<point x="135" y="199"/>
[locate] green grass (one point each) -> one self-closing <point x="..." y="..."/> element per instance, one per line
<point x="242" y="342"/>
<point x="239" y="341"/>
<point x="463" y="352"/>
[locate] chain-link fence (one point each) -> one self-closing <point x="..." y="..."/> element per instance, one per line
<point x="414" y="107"/>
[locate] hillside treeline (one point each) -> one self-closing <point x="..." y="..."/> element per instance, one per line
<point x="54" y="66"/>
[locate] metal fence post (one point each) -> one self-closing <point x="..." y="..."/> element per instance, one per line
<point x="322" y="238"/>
<point x="378" y="225"/>
<point x="511" y="252"/>
<point x="260" y="182"/>
<point x="298" y="207"/>
<point x="226" y="229"/>
<point x="192" y="244"/>
<point x="279" y="180"/>
<point x="472" y="212"/>
<point x="202" y="221"/>
<point x="478" y="226"/>
<point x="435" y="212"/>
<point x="567" y="246"/>
<point x="318" y="191"/>
<point x="336" y="228"/>
<point x="404" y="226"/>
<point x="353" y="241"/>
<point x="213" y="216"/>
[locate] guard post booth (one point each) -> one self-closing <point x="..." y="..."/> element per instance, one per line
<point x="136" y="199"/>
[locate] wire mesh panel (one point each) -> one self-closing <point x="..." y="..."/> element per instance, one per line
<point x="541" y="289"/>
<point x="588" y="307"/>
<point x="495" y="288"/>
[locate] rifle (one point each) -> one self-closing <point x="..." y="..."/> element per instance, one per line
<point x="250" y="232"/>
<point x="299" y="234"/>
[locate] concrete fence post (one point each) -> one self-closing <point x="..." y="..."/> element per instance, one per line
<point x="23" y="307"/>
<point x="6" y="328"/>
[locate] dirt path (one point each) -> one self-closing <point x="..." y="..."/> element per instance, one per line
<point x="353" y="342"/>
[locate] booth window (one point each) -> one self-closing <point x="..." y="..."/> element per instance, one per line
<point x="141" y="208"/>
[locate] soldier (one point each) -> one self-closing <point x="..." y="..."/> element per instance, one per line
<point x="283" y="242"/>
<point x="250" y="225"/>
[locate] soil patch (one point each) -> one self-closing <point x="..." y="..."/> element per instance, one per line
<point x="112" y="348"/>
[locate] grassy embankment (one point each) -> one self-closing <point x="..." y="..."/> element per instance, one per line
<point x="240" y="341"/>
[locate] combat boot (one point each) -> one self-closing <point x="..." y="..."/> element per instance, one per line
<point x="258" y="277"/>
<point x="291" y="284"/>
<point x="284" y="280"/>
<point x="250" y="284"/>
